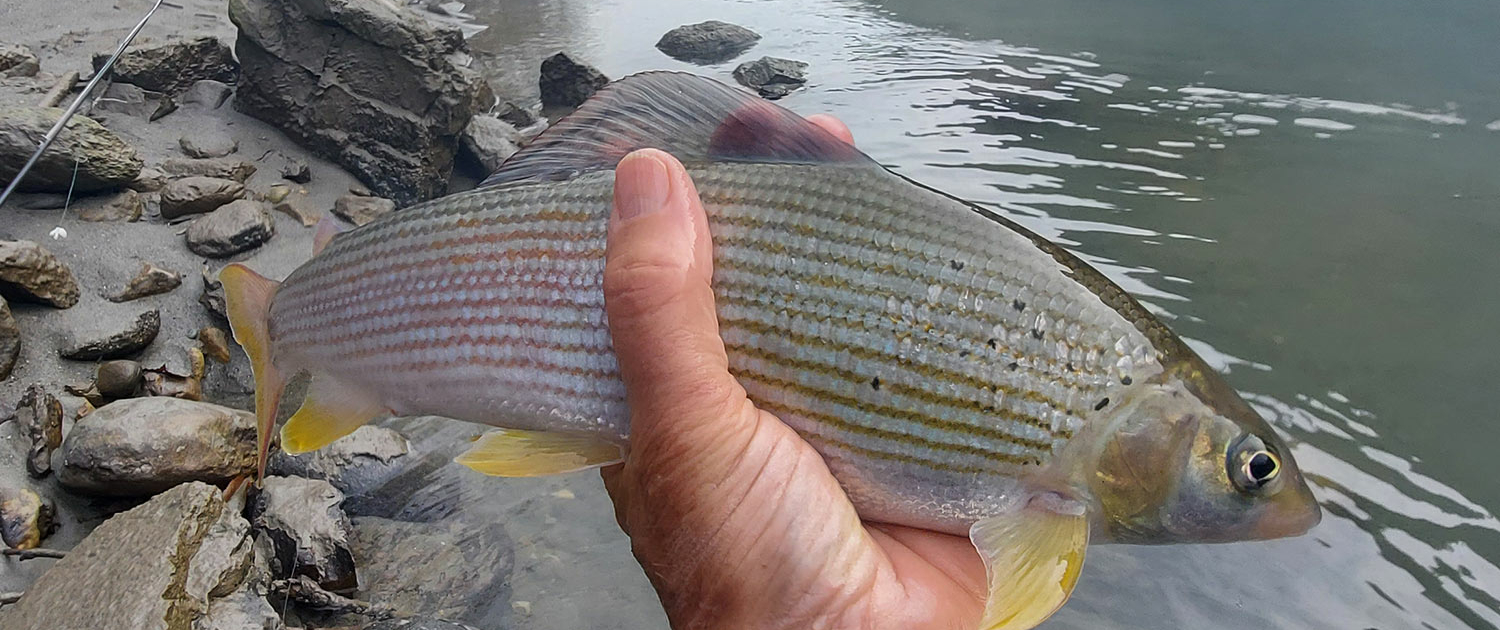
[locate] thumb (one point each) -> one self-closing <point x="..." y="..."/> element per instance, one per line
<point x="658" y="263"/>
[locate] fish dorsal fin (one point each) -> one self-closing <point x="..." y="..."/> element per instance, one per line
<point x="696" y="119"/>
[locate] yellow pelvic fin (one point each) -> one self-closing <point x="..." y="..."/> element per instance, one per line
<point x="1032" y="557"/>
<point x="328" y="227"/>
<point x="513" y="453"/>
<point x="331" y="410"/>
<point x="248" y="303"/>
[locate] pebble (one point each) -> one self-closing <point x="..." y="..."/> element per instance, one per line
<point x="210" y="144"/>
<point x="237" y="227"/>
<point x="10" y="340"/>
<point x="40" y="416"/>
<point x="196" y="195"/>
<point x="297" y="207"/>
<point x="772" y="77"/>
<point x="296" y="171"/>
<point x="361" y="210"/>
<point x="215" y="343"/>
<point x="28" y="271"/>
<point x="117" y="342"/>
<point x="142" y="446"/>
<point x="118" y="379"/>
<point x="25" y="518"/>
<point x="150" y="280"/>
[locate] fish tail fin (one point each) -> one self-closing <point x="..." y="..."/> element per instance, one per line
<point x="248" y="297"/>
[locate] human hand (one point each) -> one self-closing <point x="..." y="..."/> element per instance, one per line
<point x="737" y="521"/>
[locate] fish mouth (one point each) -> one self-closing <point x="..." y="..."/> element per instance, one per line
<point x="1292" y="514"/>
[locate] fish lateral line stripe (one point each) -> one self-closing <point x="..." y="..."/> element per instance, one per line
<point x="893" y="436"/>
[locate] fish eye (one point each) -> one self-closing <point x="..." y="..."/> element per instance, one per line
<point x="1252" y="465"/>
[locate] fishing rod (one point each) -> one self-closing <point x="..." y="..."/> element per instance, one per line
<point x="77" y="102"/>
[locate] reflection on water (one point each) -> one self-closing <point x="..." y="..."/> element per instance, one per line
<point x="1335" y="256"/>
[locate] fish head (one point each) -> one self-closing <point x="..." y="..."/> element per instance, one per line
<point x="1187" y="460"/>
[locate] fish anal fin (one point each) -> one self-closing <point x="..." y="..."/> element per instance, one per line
<point x="248" y="304"/>
<point x="694" y="118"/>
<point x="1032" y="559"/>
<point x="331" y="410"/>
<point x="514" y="453"/>
<point x="328" y="227"/>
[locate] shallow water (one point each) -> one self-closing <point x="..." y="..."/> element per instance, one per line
<point x="1309" y="194"/>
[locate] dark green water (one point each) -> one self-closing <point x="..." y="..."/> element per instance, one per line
<point x="1308" y="192"/>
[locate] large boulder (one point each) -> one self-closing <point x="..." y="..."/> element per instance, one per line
<point x="162" y="565"/>
<point x="707" y="42"/>
<point x="142" y="446"/>
<point x="29" y="272"/>
<point x="103" y="160"/>
<point x="364" y="83"/>
<point x="173" y="66"/>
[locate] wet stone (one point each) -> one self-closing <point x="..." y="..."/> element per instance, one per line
<point x="772" y="77"/>
<point x="519" y="117"/>
<point x="25" y="517"/>
<point x="10" y="340"/>
<point x="126" y="205"/>
<point x="173" y="66"/>
<point x="18" y="61"/>
<point x="213" y="143"/>
<point x="99" y="159"/>
<point x="488" y="141"/>
<point x="206" y="93"/>
<point x="240" y="226"/>
<point x="297" y="171"/>
<point x="149" y="280"/>
<point x="565" y="82"/>
<point x="308" y="531"/>
<point x="356" y="464"/>
<point x="141" y="446"/>
<point x="196" y="195"/>
<point x="29" y="272"/>
<point x="707" y="42"/>
<point x="447" y="569"/>
<point x="118" y="379"/>
<point x="114" y="343"/>
<point x="40" y="417"/>
<point x="362" y="210"/>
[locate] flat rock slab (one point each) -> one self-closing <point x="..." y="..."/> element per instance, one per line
<point x="566" y="82"/>
<point x="237" y="227"/>
<point x="124" y="206"/>
<point x="157" y="566"/>
<point x="139" y="446"/>
<point x="362" y="210"/>
<point x="29" y="272"/>
<point x="206" y="93"/>
<point x="115" y="343"/>
<point x="104" y="161"/>
<point x="222" y="168"/>
<point x="196" y="195"/>
<point x="707" y="42"/>
<point x="173" y="66"/>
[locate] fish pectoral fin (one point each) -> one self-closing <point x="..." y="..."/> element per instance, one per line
<point x="331" y="410"/>
<point x="515" y="453"/>
<point x="1032" y="558"/>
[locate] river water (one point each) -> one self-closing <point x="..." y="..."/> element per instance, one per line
<point x="1310" y="194"/>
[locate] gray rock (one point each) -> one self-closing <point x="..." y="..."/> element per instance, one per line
<point x="25" y="518"/>
<point x="18" y="61"/>
<point x="362" y="210"/>
<point x="150" y="280"/>
<point x="131" y="100"/>
<point x="173" y="66"/>
<point x="772" y="77"/>
<point x="141" y="446"/>
<point x="489" y="141"/>
<point x="447" y="569"/>
<point x="196" y="195"/>
<point x="212" y="294"/>
<point x="10" y="340"/>
<point x="707" y="42"/>
<point x="151" y="179"/>
<point x="29" y="272"/>
<point x="297" y="171"/>
<point x="215" y="343"/>
<point x="40" y="416"/>
<point x="519" y="117"/>
<point x="568" y="83"/>
<point x="222" y="168"/>
<point x="207" y="94"/>
<point x="104" y="161"/>
<point x="39" y="201"/>
<point x="159" y="565"/>
<point x="299" y="208"/>
<point x="114" y="343"/>
<point x="243" y="609"/>
<point x="417" y="623"/>
<point x="237" y="227"/>
<point x="211" y="144"/>
<point x="123" y="206"/>
<point x="369" y="85"/>
<point x="355" y="464"/>
<point x="307" y="530"/>
<point x="118" y="379"/>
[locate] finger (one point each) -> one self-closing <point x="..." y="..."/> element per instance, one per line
<point x="832" y="125"/>
<point x="658" y="263"/>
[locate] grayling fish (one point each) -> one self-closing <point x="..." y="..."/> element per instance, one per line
<point x="956" y="371"/>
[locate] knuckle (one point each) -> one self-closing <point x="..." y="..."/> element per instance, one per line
<point x="640" y="286"/>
